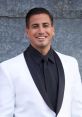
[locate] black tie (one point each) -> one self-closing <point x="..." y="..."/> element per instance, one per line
<point x="47" y="75"/>
<point x="48" y="80"/>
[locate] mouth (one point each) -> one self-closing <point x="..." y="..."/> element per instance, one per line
<point x="41" y="37"/>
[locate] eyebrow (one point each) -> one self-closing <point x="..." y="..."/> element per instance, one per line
<point x="46" y="23"/>
<point x="42" y="23"/>
<point x="35" y="24"/>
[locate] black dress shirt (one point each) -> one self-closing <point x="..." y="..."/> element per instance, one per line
<point x="34" y="61"/>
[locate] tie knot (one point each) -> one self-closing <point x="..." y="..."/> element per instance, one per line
<point x="45" y="60"/>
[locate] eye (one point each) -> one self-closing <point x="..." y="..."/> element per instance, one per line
<point x="35" y="26"/>
<point x="46" y="25"/>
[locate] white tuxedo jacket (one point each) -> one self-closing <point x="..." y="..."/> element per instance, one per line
<point x="20" y="97"/>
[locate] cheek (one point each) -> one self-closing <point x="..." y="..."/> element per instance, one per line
<point x="30" y="34"/>
<point x="51" y="31"/>
<point x="31" y="37"/>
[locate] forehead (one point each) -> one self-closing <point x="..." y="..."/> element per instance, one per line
<point x="39" y="18"/>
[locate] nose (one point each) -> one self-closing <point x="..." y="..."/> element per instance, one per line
<point x="41" y="30"/>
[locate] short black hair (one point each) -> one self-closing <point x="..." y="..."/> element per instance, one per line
<point x="35" y="11"/>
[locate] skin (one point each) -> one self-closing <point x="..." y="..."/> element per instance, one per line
<point x="40" y="32"/>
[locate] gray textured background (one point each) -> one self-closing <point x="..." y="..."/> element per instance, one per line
<point x="67" y="19"/>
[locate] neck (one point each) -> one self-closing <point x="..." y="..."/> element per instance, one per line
<point x="42" y="50"/>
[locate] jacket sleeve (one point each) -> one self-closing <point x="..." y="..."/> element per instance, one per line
<point x="77" y="93"/>
<point x="6" y="94"/>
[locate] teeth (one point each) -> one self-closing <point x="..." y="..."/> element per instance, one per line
<point x="41" y="37"/>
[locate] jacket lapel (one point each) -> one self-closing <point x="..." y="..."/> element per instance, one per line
<point x="37" y="80"/>
<point x="61" y="82"/>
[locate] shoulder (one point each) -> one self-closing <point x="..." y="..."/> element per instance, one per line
<point x="15" y="61"/>
<point x="12" y="67"/>
<point x="66" y="57"/>
<point x="67" y="60"/>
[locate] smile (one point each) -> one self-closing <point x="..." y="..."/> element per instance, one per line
<point x="42" y="37"/>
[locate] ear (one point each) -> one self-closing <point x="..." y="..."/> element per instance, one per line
<point x="53" y="31"/>
<point x="26" y="33"/>
<point x="26" y="30"/>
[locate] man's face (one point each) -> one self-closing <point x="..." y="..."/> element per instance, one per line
<point x="40" y="31"/>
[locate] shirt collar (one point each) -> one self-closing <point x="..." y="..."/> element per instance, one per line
<point x="37" y="56"/>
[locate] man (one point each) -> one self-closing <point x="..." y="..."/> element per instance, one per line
<point x="40" y="82"/>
